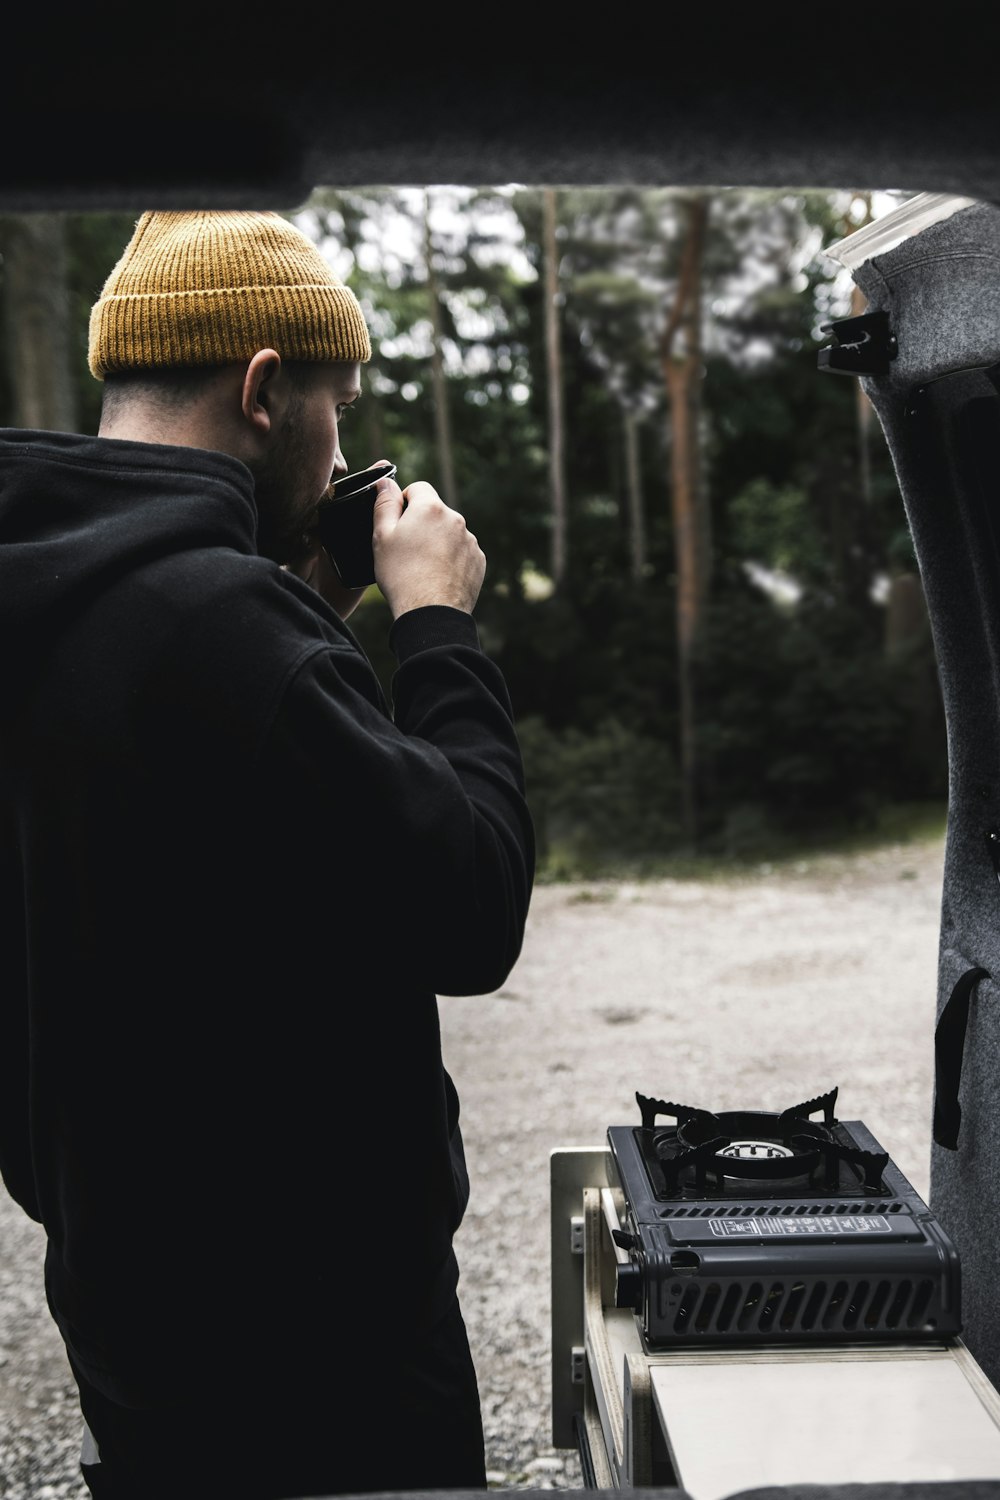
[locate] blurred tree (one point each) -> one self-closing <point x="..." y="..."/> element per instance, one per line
<point x="439" y="385"/>
<point x="682" y="373"/>
<point x="75" y="267"/>
<point x="631" y="421"/>
<point x="554" y="383"/>
<point x="38" y="336"/>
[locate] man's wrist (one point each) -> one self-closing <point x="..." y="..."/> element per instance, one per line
<point x="430" y="625"/>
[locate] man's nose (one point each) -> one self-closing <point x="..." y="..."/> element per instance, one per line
<point x="339" y="464"/>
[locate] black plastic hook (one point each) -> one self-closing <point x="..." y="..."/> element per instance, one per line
<point x="864" y="346"/>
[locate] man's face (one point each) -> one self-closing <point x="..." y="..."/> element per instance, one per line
<point x="304" y="456"/>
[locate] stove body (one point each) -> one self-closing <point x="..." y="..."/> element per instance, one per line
<point x="744" y="1227"/>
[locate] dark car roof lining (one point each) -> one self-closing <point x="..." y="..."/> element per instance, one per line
<point x="213" y="116"/>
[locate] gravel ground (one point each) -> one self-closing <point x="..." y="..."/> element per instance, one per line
<point x="746" y="992"/>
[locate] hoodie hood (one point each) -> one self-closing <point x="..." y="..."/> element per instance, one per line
<point x="78" y="512"/>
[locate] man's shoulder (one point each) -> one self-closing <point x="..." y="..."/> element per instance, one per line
<point x="218" y="622"/>
<point x="219" y="637"/>
<point x="221" y="589"/>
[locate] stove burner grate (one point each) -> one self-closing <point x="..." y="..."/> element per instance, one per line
<point x="754" y="1146"/>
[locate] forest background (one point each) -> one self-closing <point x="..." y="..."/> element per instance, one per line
<point x="700" y="584"/>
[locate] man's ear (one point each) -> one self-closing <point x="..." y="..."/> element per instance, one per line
<point x="257" y="396"/>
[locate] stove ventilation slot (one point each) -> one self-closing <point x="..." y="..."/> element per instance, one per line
<point x="770" y="1207"/>
<point x="806" y="1305"/>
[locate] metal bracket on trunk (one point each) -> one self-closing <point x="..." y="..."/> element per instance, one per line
<point x="864" y="346"/>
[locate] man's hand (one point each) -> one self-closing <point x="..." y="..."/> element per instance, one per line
<point x="424" y="552"/>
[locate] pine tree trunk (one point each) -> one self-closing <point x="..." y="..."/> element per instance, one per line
<point x="37" y="345"/>
<point x="682" y="372"/>
<point x="439" y="385"/>
<point x="636" y="514"/>
<point x="557" y="479"/>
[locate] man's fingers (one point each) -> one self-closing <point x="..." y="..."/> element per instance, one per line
<point x="389" y="505"/>
<point x="421" y="493"/>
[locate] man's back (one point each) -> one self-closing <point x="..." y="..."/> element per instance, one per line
<point x="241" y="888"/>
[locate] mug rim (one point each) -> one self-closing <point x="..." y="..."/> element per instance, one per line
<point x="354" y="483"/>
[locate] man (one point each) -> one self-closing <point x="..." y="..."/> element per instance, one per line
<point x="233" y="885"/>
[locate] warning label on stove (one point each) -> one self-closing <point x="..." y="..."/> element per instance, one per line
<point x="785" y="1224"/>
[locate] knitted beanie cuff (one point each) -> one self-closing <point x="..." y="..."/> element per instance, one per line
<point x="224" y="325"/>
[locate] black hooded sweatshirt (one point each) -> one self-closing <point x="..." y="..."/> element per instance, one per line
<point x="232" y="885"/>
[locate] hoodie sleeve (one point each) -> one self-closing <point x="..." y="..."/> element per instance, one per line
<point x="426" y="806"/>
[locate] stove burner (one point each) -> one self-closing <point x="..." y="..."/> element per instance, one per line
<point x="755" y="1146"/>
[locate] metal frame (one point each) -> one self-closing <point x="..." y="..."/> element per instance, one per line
<point x="571" y="1170"/>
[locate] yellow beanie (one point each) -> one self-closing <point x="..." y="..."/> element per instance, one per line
<point x="212" y="288"/>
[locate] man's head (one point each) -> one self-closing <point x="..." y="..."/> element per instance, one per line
<point x="230" y="331"/>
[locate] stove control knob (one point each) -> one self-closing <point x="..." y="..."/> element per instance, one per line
<point x="628" y="1285"/>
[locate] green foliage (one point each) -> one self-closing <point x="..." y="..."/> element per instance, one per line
<point x="805" y="726"/>
<point x="770" y="523"/>
<point x="602" y="797"/>
<point x="806" y="721"/>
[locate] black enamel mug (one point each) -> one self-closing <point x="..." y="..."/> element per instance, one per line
<point x="345" y="523"/>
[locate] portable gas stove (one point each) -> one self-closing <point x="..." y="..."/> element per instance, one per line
<point x="745" y="1225"/>
<point x="710" y="1269"/>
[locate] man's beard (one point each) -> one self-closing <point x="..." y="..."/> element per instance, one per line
<point x="281" y="519"/>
